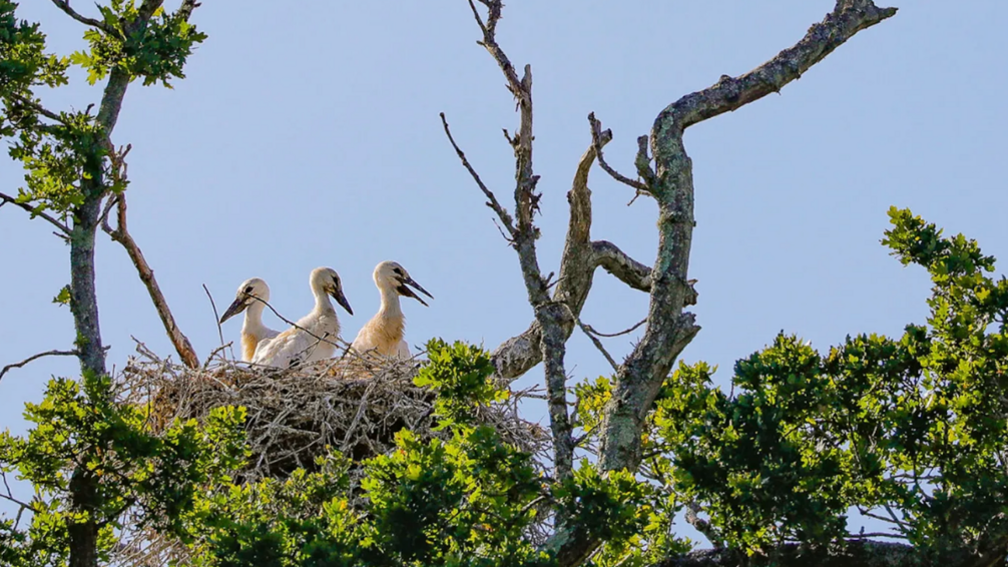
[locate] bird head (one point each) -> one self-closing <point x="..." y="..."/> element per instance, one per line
<point x="250" y="291"/>
<point x="391" y="275"/>
<point x="327" y="280"/>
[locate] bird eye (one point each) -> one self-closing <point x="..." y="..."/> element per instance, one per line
<point x="248" y="289"/>
<point x="398" y="271"/>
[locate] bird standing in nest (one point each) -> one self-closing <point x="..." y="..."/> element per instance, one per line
<point x="313" y="337"/>
<point x="251" y="298"/>
<point x="383" y="334"/>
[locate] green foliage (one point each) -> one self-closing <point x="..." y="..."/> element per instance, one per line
<point x="66" y="154"/>
<point x="462" y="376"/>
<point x="24" y="62"/>
<point x="90" y="458"/>
<point x="155" y="51"/>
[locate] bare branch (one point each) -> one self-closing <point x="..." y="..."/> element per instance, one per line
<point x="731" y="93"/>
<point x="622" y="266"/>
<point x="502" y="214"/>
<point x="36" y="357"/>
<point x="220" y="331"/>
<point x="643" y="162"/>
<point x="121" y="235"/>
<point x="65" y="6"/>
<point x="581" y="257"/>
<point x="551" y="316"/>
<point x="670" y="328"/>
<point x="619" y="334"/>
<point x="64" y="229"/>
<point x="589" y="332"/>
<point x="702" y="526"/>
<point x="597" y="133"/>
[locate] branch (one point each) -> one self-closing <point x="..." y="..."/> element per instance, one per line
<point x="597" y="133"/>
<point x="4" y="199"/>
<point x="670" y="328"/>
<point x="622" y="266"/>
<point x="728" y="94"/>
<point x="502" y="214"/>
<point x="65" y="6"/>
<point x="121" y="235"/>
<point x="594" y="336"/>
<point x="581" y="257"/>
<point x="187" y="7"/>
<point x="36" y="357"/>
<point x="702" y="526"/>
<point x="551" y="316"/>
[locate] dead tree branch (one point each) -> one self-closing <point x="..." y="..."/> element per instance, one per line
<point x="121" y="235"/>
<point x="552" y="317"/>
<point x="64" y="229"/>
<point x="581" y="256"/>
<point x="670" y="328"/>
<point x="492" y="202"/>
<point x="65" y="6"/>
<point x="36" y="357"/>
<point x="597" y="133"/>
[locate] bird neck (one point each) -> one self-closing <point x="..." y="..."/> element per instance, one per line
<point x="253" y="318"/>
<point x="390" y="306"/>
<point x="322" y="303"/>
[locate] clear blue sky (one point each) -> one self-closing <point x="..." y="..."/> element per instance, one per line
<point x="308" y="135"/>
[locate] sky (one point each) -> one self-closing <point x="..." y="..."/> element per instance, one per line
<point x="308" y="135"/>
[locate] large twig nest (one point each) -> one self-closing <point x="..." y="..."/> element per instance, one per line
<point x="352" y="405"/>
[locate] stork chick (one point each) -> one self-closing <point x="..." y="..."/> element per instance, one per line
<point x="312" y="337"/>
<point x="383" y="334"/>
<point x="251" y="298"/>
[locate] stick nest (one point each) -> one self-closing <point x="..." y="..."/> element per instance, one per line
<point x="353" y="405"/>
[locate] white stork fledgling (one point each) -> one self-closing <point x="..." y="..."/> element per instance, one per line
<point x="313" y="335"/>
<point x="383" y="334"/>
<point x="251" y="298"/>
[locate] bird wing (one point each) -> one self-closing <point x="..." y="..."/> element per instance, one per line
<point x="286" y="349"/>
<point x="250" y="343"/>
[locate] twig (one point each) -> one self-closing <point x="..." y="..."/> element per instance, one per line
<point x="37" y="107"/>
<point x="597" y="134"/>
<point x="4" y="198"/>
<point x="220" y="331"/>
<point x="65" y="6"/>
<point x="502" y="214"/>
<point x="36" y="357"/>
<point x="121" y="235"/>
<point x="598" y="344"/>
<point x="609" y="336"/>
<point x="339" y="344"/>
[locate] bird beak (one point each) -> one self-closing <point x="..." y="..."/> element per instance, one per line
<point x="236" y="307"/>
<point x="403" y="290"/>
<point x="337" y="294"/>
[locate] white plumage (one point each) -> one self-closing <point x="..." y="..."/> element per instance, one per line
<point x="251" y="298"/>
<point x="383" y="334"/>
<point x="312" y="337"/>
